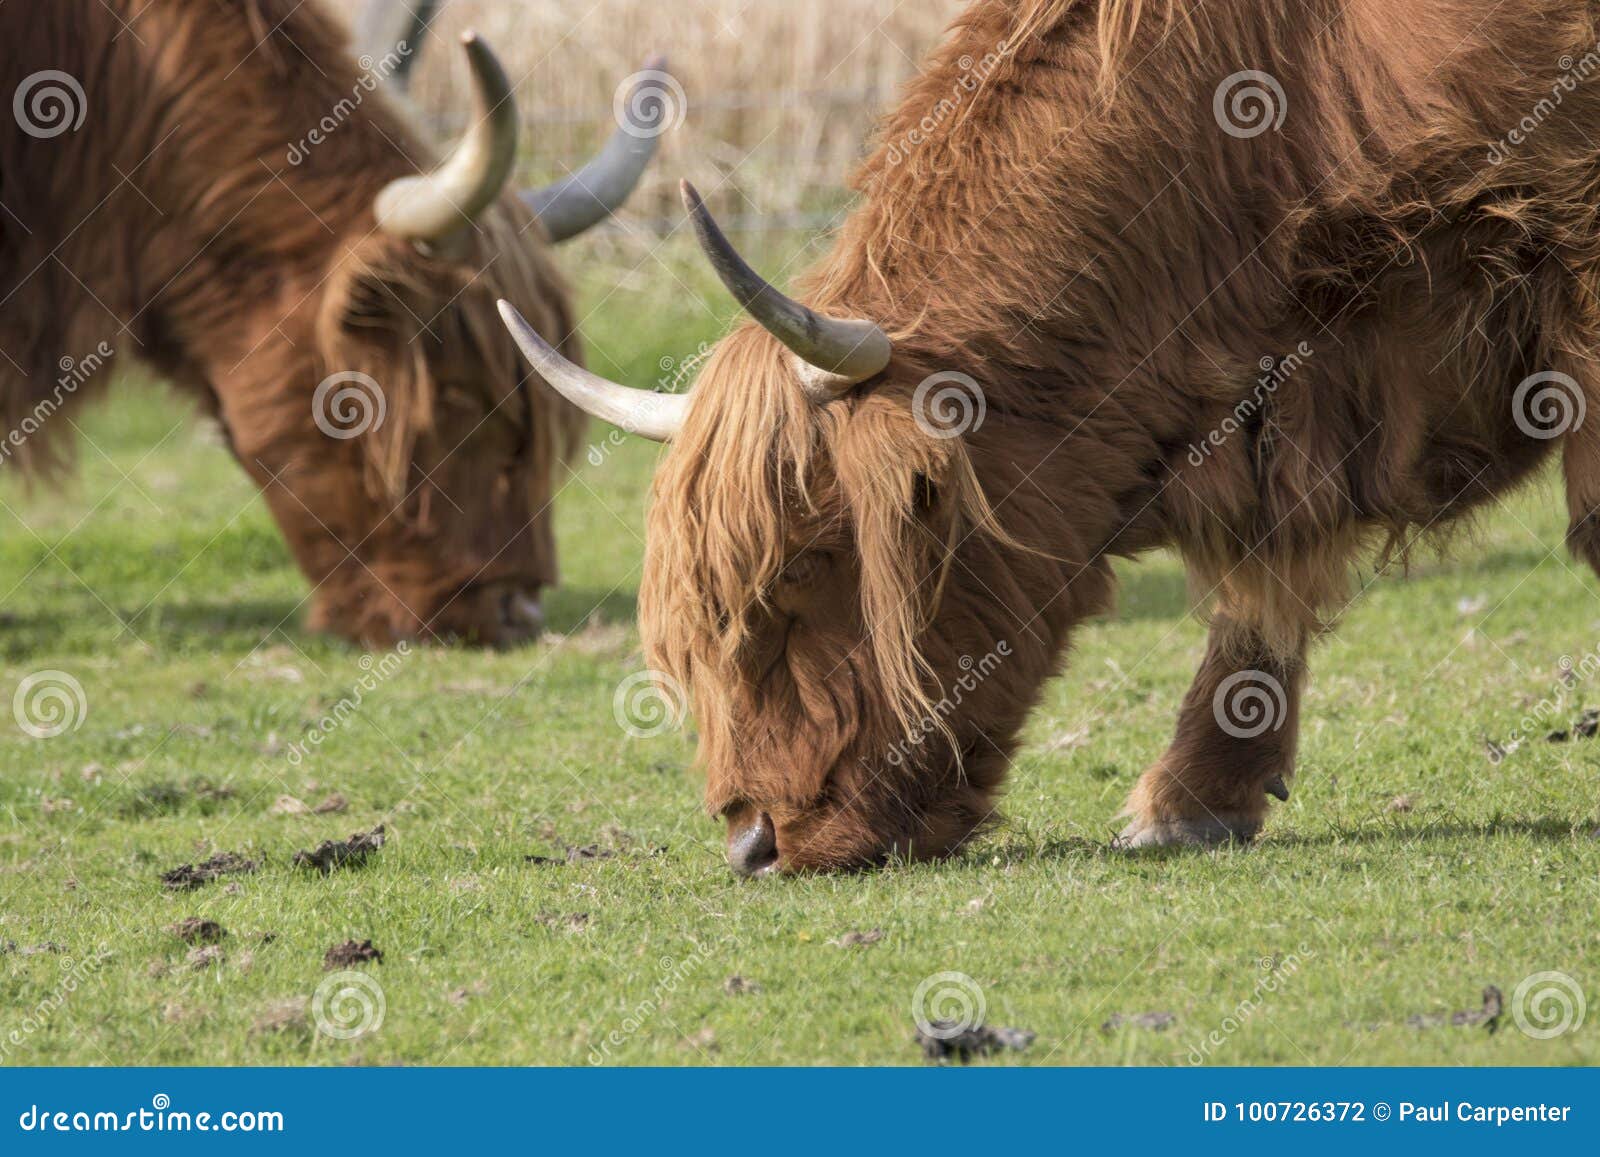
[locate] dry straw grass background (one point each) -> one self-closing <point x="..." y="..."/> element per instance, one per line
<point x="781" y="96"/>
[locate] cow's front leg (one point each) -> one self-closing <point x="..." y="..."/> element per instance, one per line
<point x="1234" y="747"/>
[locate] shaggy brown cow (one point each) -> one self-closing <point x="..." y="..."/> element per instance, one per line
<point x="1271" y="282"/>
<point x="213" y="188"/>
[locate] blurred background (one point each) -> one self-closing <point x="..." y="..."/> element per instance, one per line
<point x="779" y="101"/>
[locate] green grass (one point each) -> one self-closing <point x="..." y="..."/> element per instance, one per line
<point x="158" y="582"/>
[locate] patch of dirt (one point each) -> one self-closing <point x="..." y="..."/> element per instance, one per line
<point x="288" y="805"/>
<point x="940" y="1045"/>
<point x="194" y="930"/>
<point x="282" y="1015"/>
<point x="187" y="877"/>
<point x="48" y="948"/>
<point x="1153" y="1021"/>
<point x="739" y="986"/>
<point x="571" y="921"/>
<point x="351" y="853"/>
<point x="349" y="954"/>
<point x="201" y="959"/>
<point x="858" y="939"/>
<point x="1488" y="1016"/>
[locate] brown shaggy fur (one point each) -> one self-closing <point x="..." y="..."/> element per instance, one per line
<point x="1077" y="233"/>
<point x="174" y="228"/>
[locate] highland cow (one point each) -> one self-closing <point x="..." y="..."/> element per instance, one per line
<point x="213" y="189"/>
<point x="1047" y="298"/>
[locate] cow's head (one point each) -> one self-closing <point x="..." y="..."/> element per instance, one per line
<point x="404" y="446"/>
<point x="826" y="578"/>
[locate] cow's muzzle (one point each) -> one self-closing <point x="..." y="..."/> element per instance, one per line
<point x="752" y="844"/>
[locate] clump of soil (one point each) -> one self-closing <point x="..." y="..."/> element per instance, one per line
<point x="187" y="877"/>
<point x="940" y="1045"/>
<point x="1154" y="1021"/>
<point x="351" y="853"/>
<point x="572" y="855"/>
<point x="1488" y="1016"/>
<point x="201" y="959"/>
<point x="858" y="939"/>
<point x="1587" y="727"/>
<point x="194" y="930"/>
<point x="349" y="954"/>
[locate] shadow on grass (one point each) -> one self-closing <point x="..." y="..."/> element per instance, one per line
<point x="90" y="626"/>
<point x="1082" y="848"/>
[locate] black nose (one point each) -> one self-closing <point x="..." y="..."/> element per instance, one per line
<point x="753" y="849"/>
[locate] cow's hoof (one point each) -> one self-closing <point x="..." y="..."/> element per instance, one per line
<point x="1200" y="832"/>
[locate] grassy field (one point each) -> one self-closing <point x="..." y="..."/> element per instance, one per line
<point x="1409" y="872"/>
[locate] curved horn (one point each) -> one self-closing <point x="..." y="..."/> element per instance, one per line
<point x="840" y="353"/>
<point x="582" y="200"/>
<point x="434" y="205"/>
<point x="650" y="415"/>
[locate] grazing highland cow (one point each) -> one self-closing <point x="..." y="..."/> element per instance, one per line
<point x="1109" y="227"/>
<point x="211" y="188"/>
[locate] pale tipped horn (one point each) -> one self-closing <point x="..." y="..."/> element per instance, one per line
<point x="582" y="200"/>
<point x="839" y="353"/>
<point x="434" y="205"/>
<point x="650" y="415"/>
